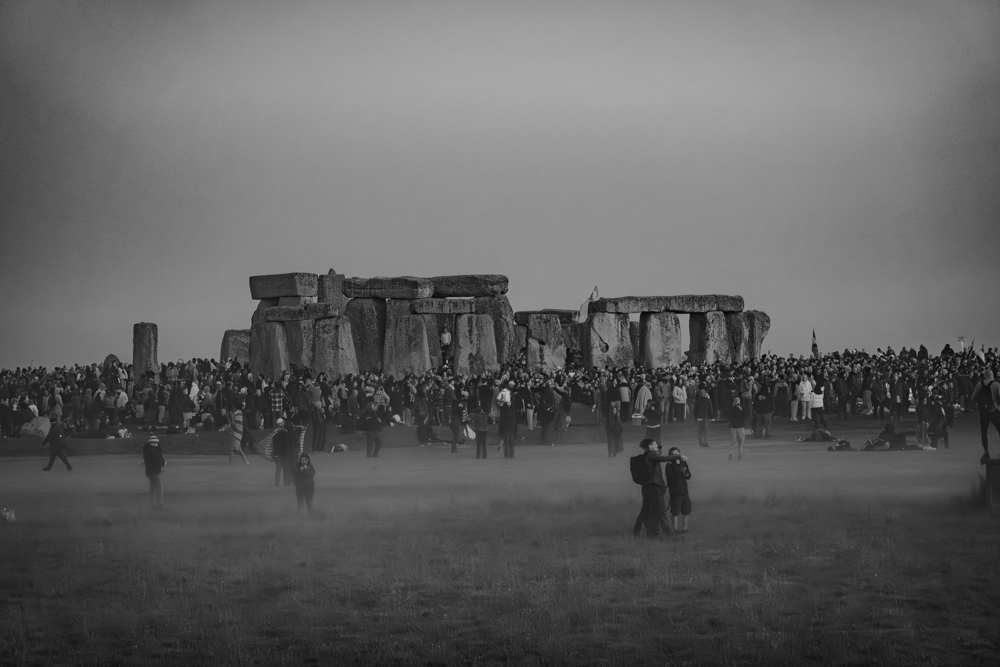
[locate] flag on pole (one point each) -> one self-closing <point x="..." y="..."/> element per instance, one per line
<point x="815" y="347"/>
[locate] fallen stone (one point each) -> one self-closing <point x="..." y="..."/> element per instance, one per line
<point x="309" y="311"/>
<point x="367" y="318"/>
<point x="443" y="306"/>
<point x="299" y="339"/>
<point x="474" y="345"/>
<point x="565" y="316"/>
<point x="268" y="349"/>
<point x="607" y="343"/>
<point x="236" y="345"/>
<point x="333" y="348"/>
<point x="739" y="337"/>
<point x="470" y="285"/>
<point x="38" y="427"/>
<point x="407" y="348"/>
<point x="262" y="306"/>
<point x="758" y="324"/>
<point x="403" y="287"/>
<point x="330" y="289"/>
<point x="295" y="300"/>
<point x="144" y="340"/>
<point x="710" y="341"/>
<point x="660" y="340"/>
<point x="283" y="284"/>
<point x="687" y="303"/>
<point x="499" y="310"/>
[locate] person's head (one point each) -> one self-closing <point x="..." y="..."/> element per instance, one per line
<point x="674" y="451"/>
<point x="280" y="423"/>
<point x="303" y="459"/>
<point x="153" y="440"/>
<point x="649" y="445"/>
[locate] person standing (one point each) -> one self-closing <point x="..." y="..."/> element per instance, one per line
<point x="317" y="416"/>
<point x="236" y="432"/>
<point x="479" y="422"/>
<point x="373" y="430"/>
<point x="986" y="396"/>
<point x="677" y="474"/>
<point x="152" y="459"/>
<point x="56" y="440"/>
<point x="304" y="479"/>
<point x="653" y="514"/>
<point x="613" y="428"/>
<point x="508" y="428"/>
<point x="703" y="413"/>
<point x="286" y="449"/>
<point x="737" y="429"/>
<point x="763" y="408"/>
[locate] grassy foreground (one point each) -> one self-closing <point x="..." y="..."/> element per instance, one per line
<point x="423" y="558"/>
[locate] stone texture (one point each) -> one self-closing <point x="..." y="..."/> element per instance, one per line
<point x="575" y="335"/>
<point x="520" y="339"/>
<point x="403" y="287"/>
<point x="262" y="306"/>
<point x="633" y="337"/>
<point x="295" y="300"/>
<point x="268" y="349"/>
<point x="474" y="345"/>
<point x="144" y="340"/>
<point x="758" y="324"/>
<point x="686" y="303"/>
<point x="330" y="289"/>
<point x="544" y="328"/>
<point x="499" y="310"/>
<point x="406" y="347"/>
<point x="548" y="351"/>
<point x="470" y="285"/>
<point x="739" y="337"/>
<point x="236" y="345"/>
<point x="607" y="343"/>
<point x="367" y="318"/>
<point x="565" y="316"/>
<point x="443" y="306"/>
<point x="333" y="347"/>
<point x="309" y="311"/>
<point x="299" y="338"/>
<point x="710" y="341"/>
<point x="660" y="340"/>
<point x="283" y="284"/>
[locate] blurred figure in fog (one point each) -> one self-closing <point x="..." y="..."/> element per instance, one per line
<point x="304" y="479"/>
<point x="152" y="459"/>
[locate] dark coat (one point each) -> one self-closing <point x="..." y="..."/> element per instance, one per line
<point x="152" y="457"/>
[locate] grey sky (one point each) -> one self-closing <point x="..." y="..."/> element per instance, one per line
<point x="836" y="163"/>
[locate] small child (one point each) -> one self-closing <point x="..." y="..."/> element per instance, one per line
<point x="303" y="477"/>
<point x="677" y="474"/>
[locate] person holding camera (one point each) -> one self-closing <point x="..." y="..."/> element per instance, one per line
<point x="653" y="514"/>
<point x="677" y="475"/>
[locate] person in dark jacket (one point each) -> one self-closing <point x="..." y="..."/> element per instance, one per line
<point x="56" y="440"/>
<point x="737" y="429"/>
<point x="986" y="396"/>
<point x="303" y="476"/>
<point x="286" y="449"/>
<point x="703" y="413"/>
<point x="372" y="427"/>
<point x="653" y="514"/>
<point x="677" y="475"/>
<point x="763" y="407"/>
<point x="152" y="459"/>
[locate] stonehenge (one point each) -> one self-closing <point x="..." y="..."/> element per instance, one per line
<point x="144" y="341"/>
<point x="394" y="325"/>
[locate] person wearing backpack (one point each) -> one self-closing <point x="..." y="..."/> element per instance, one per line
<point x="646" y="472"/>
<point x="986" y="396"/>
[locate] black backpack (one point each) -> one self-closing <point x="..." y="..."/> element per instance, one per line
<point x="985" y="397"/>
<point x="642" y="472"/>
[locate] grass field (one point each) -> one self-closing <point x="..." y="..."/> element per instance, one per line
<point x="795" y="556"/>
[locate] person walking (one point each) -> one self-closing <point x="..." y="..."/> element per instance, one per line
<point x="986" y="396"/>
<point x="737" y="429"/>
<point x="152" y="459"/>
<point x="56" y="440"/>
<point x="304" y="479"/>
<point x="236" y="432"/>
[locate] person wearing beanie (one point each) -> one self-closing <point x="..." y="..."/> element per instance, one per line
<point x="152" y="458"/>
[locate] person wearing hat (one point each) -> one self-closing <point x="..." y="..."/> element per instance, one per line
<point x="152" y="458"/>
<point x="56" y="440"/>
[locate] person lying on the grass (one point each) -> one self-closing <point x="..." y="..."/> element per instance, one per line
<point x="891" y="439"/>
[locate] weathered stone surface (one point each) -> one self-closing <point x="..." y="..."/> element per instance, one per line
<point x="262" y="306"/>
<point x="758" y="324"/>
<point x="739" y="337"/>
<point x="295" y="300"/>
<point x="545" y="328"/>
<point x="406" y="347"/>
<point x="520" y="339"/>
<point x="268" y="349"/>
<point x="299" y="338"/>
<point x="474" y="345"/>
<point x="330" y="289"/>
<point x="443" y="306"/>
<point x="546" y="348"/>
<point x="470" y="285"/>
<point x="499" y="310"/>
<point x="309" y="311"/>
<point x="686" y="303"/>
<point x="236" y="345"/>
<point x="607" y="343"/>
<point x="283" y="284"/>
<point x="660" y="340"/>
<point x="633" y="337"/>
<point x="710" y="341"/>
<point x="367" y="318"/>
<point x="575" y="336"/>
<point x="333" y="347"/>
<point x="144" y="340"/>
<point x="565" y="316"/>
<point x="38" y="427"/>
<point x="403" y="287"/>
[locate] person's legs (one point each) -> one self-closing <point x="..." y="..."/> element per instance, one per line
<point x="156" y="489"/>
<point x="806" y="410"/>
<point x="287" y="465"/>
<point x="378" y="445"/>
<point x="703" y="433"/>
<point x="650" y="498"/>
<point x="369" y="444"/>
<point x="740" y="438"/>
<point x="765" y="420"/>
<point x="277" y="470"/>
<point x="52" y="460"/>
<point x="661" y="511"/>
<point x="300" y="497"/>
<point x="685" y="512"/>
<point x="481" y="437"/>
<point x="732" y="442"/>
<point x="310" y="492"/>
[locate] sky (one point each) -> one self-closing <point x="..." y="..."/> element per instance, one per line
<point x="836" y="163"/>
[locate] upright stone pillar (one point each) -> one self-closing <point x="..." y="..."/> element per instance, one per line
<point x="710" y="342"/>
<point x="406" y="346"/>
<point x="758" y="324"/>
<point x="608" y="343"/>
<point x="499" y="310"/>
<point x="268" y="349"/>
<point x="236" y="345"/>
<point x="330" y="289"/>
<point x="367" y="316"/>
<point x="333" y="348"/>
<point x="299" y="338"/>
<point x="548" y="351"/>
<point x="660" y="340"/>
<point x="739" y="336"/>
<point x="144" y="341"/>
<point x="474" y="345"/>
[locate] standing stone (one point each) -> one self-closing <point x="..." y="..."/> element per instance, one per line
<point x="470" y="285"/>
<point x="283" y="284"/>
<point x="499" y="310"/>
<point x="403" y="287"/>
<point x="758" y="324"/>
<point x="433" y="325"/>
<point x="607" y="343"/>
<point x="268" y="349"/>
<point x="660" y="340"/>
<point x="710" y="342"/>
<point x="144" y="341"/>
<point x="520" y="339"/>
<point x="330" y="289"/>
<point x="533" y="355"/>
<point x="333" y="347"/>
<point x="406" y="346"/>
<point x="633" y="336"/>
<point x="367" y="318"/>
<point x="236" y="345"/>
<point x="262" y="305"/>
<point x="546" y="330"/>
<point x="299" y="337"/>
<point x="739" y="337"/>
<point x="474" y="345"/>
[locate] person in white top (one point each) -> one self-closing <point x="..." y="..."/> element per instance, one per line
<point x="805" y="391"/>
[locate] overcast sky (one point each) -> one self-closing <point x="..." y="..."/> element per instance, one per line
<point x="835" y="163"/>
